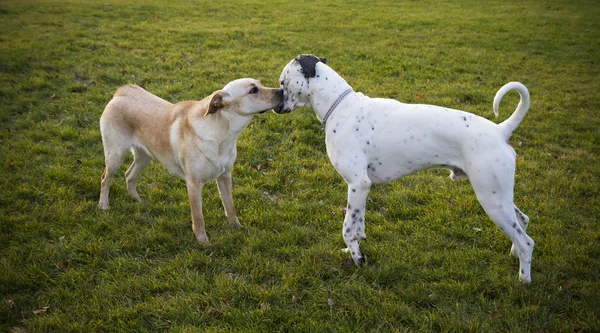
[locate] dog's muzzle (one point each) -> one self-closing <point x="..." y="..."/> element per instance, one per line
<point x="279" y="107"/>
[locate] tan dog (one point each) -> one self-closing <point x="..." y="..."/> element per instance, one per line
<point x="194" y="140"/>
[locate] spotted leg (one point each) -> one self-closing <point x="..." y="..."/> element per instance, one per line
<point x="354" y="222"/>
<point x="495" y="193"/>
<point x="523" y="222"/>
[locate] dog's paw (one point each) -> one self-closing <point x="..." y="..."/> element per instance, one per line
<point x="525" y="279"/>
<point x="103" y="206"/>
<point x="201" y="237"/>
<point x="236" y="224"/>
<point x="359" y="260"/>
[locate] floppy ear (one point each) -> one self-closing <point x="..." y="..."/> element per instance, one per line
<point x="216" y="102"/>
<point x="308" y="63"/>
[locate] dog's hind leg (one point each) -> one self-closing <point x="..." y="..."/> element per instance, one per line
<point x="495" y="193"/>
<point x="141" y="159"/>
<point x="116" y="142"/>
<point x="354" y="222"/>
<point x="114" y="158"/>
<point x="523" y="222"/>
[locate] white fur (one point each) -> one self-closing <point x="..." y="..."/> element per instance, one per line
<point x="375" y="140"/>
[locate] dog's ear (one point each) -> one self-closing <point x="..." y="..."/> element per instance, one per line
<point x="217" y="101"/>
<point x="308" y="63"/>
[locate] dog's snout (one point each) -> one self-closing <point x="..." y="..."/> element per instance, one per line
<point x="279" y="100"/>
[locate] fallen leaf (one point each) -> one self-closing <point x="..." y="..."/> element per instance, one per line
<point x="568" y="286"/>
<point x="18" y="330"/>
<point x="330" y="302"/>
<point x="61" y="238"/>
<point x="155" y="16"/>
<point x="40" y="309"/>
<point x="52" y="96"/>
<point x="10" y="303"/>
<point x="271" y="197"/>
<point x="419" y="96"/>
<point x="493" y="314"/>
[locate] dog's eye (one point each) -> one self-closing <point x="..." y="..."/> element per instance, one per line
<point x="254" y="90"/>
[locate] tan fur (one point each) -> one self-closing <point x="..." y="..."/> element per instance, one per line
<point x="194" y="140"/>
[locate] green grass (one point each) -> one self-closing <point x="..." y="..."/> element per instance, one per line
<point x="436" y="261"/>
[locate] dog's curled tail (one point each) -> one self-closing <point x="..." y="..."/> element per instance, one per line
<point x="510" y="124"/>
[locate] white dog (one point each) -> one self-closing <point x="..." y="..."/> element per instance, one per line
<point x="375" y="140"/>
<point x="194" y="140"/>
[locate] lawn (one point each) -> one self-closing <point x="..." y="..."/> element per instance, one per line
<point x="436" y="262"/>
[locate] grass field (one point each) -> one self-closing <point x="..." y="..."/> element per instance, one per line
<point x="436" y="261"/>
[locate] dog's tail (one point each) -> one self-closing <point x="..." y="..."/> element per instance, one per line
<point x="510" y="124"/>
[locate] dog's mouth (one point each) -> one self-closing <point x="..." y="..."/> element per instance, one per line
<point x="280" y="110"/>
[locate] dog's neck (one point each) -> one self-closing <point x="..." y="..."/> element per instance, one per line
<point x="233" y="123"/>
<point x="220" y="127"/>
<point x="325" y="90"/>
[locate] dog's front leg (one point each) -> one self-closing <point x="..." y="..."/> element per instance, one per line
<point x="225" y="189"/>
<point x="354" y="222"/>
<point x="194" y="189"/>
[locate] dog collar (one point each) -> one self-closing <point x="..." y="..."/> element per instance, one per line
<point x="333" y="106"/>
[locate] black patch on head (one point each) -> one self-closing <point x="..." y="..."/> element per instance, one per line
<point x="308" y="63"/>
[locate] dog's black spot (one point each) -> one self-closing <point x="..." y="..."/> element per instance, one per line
<point x="349" y="206"/>
<point x="368" y="143"/>
<point x="353" y="190"/>
<point x="348" y="230"/>
<point x="334" y="131"/>
<point x="493" y="192"/>
<point x="353" y="215"/>
<point x="522" y="272"/>
<point x="528" y="244"/>
<point x="357" y="210"/>
<point x="326" y="78"/>
<point x="519" y="231"/>
<point x="467" y="125"/>
<point x="464" y="118"/>
<point x="514" y="225"/>
<point x="380" y="163"/>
